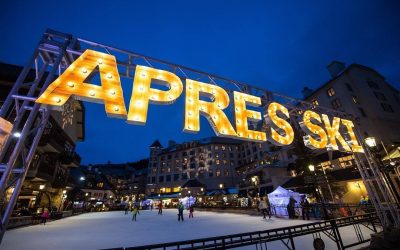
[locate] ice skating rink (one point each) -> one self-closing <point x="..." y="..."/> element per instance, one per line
<point x="114" y="229"/>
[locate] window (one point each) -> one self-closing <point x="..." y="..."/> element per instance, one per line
<point x="355" y="99"/>
<point x="336" y="103"/>
<point x="184" y="176"/>
<point x="372" y="84"/>
<point x="153" y="179"/>
<point x="218" y="173"/>
<point x="380" y="96"/>
<point x="226" y="172"/>
<point x="330" y="92"/>
<point x="362" y="112"/>
<point x="217" y="162"/>
<point x="223" y="148"/>
<point x="216" y="148"/>
<point x="100" y="184"/>
<point x="349" y="88"/>
<point x="176" y="177"/>
<point x="315" y="102"/>
<point x="210" y="173"/>
<point x="168" y="178"/>
<point x="192" y="165"/>
<point x="160" y="178"/>
<point x="387" y="107"/>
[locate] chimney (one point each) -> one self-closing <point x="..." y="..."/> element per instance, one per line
<point x="335" y="68"/>
<point x="306" y="92"/>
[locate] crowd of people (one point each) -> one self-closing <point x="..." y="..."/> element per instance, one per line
<point x="135" y="210"/>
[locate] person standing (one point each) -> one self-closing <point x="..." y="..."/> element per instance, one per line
<point x="135" y="211"/>
<point x="262" y="206"/>
<point x="180" y="211"/>
<point x="304" y="208"/>
<point x="160" y="206"/>
<point x="151" y="206"/>
<point x="191" y="209"/>
<point x="45" y="216"/>
<point x="126" y="208"/>
<point x="290" y="207"/>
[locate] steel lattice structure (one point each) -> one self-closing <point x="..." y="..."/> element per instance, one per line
<point x="56" y="51"/>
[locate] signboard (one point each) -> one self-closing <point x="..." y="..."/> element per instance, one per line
<point x="321" y="131"/>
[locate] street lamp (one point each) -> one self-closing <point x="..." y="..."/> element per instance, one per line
<point x="41" y="187"/>
<point x="17" y="134"/>
<point x="82" y="178"/>
<point x="370" y="141"/>
<point x="311" y="167"/>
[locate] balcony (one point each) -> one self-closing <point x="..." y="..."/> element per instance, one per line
<point x="70" y="159"/>
<point x="54" y="139"/>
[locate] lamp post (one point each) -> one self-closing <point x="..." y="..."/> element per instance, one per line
<point x="318" y="192"/>
<point x="372" y="145"/>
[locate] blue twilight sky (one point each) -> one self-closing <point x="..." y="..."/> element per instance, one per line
<point x="279" y="45"/>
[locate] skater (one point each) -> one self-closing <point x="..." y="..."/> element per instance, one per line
<point x="180" y="211"/>
<point x="191" y="209"/>
<point x="160" y="205"/>
<point x="126" y="208"/>
<point x="135" y="211"/>
<point x="262" y="206"/>
<point x="45" y="216"/>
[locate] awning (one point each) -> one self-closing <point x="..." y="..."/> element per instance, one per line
<point x="394" y="154"/>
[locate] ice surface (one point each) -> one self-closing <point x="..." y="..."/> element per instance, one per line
<point x="114" y="229"/>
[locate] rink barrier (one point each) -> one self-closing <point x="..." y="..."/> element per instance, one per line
<point x="286" y="235"/>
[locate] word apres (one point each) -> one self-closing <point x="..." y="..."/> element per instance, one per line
<point x="320" y="130"/>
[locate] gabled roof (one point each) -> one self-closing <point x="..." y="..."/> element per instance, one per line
<point x="193" y="183"/>
<point x="156" y="144"/>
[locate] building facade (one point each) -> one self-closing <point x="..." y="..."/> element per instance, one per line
<point x="364" y="93"/>
<point x="218" y="164"/>
<point x="48" y="178"/>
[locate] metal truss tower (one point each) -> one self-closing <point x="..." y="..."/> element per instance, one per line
<point x="56" y="51"/>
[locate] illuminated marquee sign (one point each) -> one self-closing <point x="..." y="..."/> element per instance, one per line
<point x="321" y="131"/>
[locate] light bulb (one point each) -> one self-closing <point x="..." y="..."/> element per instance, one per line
<point x="143" y="75"/>
<point x="58" y="99"/>
<point x="112" y="92"/>
<point x="116" y="109"/>
<point x="170" y="97"/>
<point x="109" y="75"/>
<point x="92" y="93"/>
<point x="100" y="61"/>
<point x="71" y="84"/>
<point x="84" y="70"/>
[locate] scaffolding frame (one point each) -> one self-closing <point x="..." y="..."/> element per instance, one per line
<point x="56" y="51"/>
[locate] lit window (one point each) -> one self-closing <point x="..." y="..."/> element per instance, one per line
<point x="315" y="102"/>
<point x="217" y="162"/>
<point x="331" y="92"/>
<point x="218" y="173"/>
